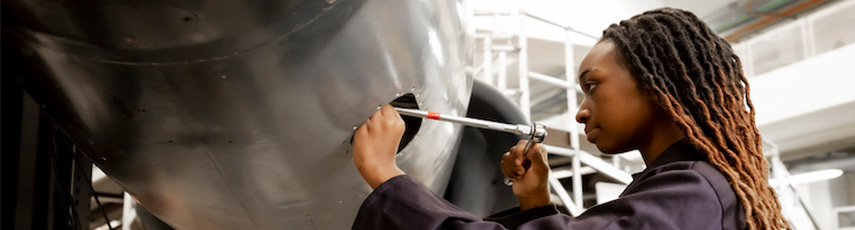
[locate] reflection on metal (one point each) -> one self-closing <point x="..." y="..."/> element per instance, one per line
<point x="235" y="115"/>
<point x="538" y="134"/>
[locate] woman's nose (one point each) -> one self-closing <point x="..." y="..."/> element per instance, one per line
<point x="583" y="114"/>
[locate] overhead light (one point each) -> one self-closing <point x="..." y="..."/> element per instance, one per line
<point x="808" y="177"/>
<point x="819" y="175"/>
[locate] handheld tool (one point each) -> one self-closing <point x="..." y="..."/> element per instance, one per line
<point x="536" y="133"/>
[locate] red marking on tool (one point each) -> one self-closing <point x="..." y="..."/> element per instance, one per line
<point x="433" y="115"/>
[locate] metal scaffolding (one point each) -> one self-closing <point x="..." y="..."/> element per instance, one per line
<point x="583" y="162"/>
<point x="592" y="164"/>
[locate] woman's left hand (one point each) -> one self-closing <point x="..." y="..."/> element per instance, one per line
<point x="529" y="182"/>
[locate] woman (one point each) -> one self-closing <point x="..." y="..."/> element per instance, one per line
<point x="662" y="83"/>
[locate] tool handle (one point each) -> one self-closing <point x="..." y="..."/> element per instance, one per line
<point x="536" y="133"/>
<point x="515" y="129"/>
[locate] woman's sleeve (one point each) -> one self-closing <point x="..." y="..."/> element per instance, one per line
<point x="404" y="203"/>
<point x="680" y="199"/>
<point x="676" y="199"/>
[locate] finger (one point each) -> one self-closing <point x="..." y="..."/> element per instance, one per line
<point x="531" y="149"/>
<point x="378" y="113"/>
<point x="359" y="135"/>
<point x="508" y="166"/>
<point x="506" y="169"/>
<point x="374" y="116"/>
<point x="516" y="152"/>
<point x="367" y="125"/>
<point x="512" y="171"/>
<point x="539" y="157"/>
<point x="521" y="143"/>
<point x="534" y="149"/>
<point x="385" y="110"/>
<point x="361" y="130"/>
<point x="518" y="167"/>
<point x="511" y="153"/>
<point x="543" y="152"/>
<point x="519" y="158"/>
<point x="390" y="117"/>
<point x="392" y="111"/>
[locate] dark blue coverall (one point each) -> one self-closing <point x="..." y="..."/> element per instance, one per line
<point x="680" y="189"/>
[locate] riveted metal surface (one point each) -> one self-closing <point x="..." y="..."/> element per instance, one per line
<point x="237" y="115"/>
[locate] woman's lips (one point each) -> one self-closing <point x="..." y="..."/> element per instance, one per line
<point x="592" y="134"/>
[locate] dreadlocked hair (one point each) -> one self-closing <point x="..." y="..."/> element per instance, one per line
<point x="694" y="76"/>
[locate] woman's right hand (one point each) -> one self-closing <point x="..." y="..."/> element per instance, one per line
<point x="375" y="145"/>
<point x="529" y="183"/>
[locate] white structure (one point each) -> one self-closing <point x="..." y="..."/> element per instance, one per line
<point x="802" y="84"/>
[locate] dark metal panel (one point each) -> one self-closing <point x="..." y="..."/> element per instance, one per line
<point x="477" y="183"/>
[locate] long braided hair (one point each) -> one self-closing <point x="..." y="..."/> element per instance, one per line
<point x="694" y="76"/>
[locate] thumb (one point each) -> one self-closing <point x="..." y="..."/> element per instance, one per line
<point x="538" y="156"/>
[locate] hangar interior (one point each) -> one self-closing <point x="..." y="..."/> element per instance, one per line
<point x="807" y="129"/>
<point x="796" y="54"/>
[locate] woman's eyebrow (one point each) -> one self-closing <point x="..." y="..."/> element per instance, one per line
<point x="582" y="76"/>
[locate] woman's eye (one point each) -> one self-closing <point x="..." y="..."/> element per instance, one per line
<point x="590" y="86"/>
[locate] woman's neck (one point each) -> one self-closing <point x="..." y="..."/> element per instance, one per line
<point x="663" y="135"/>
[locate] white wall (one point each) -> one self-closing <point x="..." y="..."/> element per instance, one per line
<point x="820" y="82"/>
<point x="590" y="17"/>
<point x="809" y="103"/>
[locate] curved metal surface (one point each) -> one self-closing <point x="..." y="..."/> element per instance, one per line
<point x="476" y="181"/>
<point x="237" y="115"/>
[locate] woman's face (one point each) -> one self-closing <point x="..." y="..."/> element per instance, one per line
<point x="617" y="115"/>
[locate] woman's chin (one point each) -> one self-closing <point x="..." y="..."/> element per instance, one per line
<point x="606" y="150"/>
<point x="607" y="147"/>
